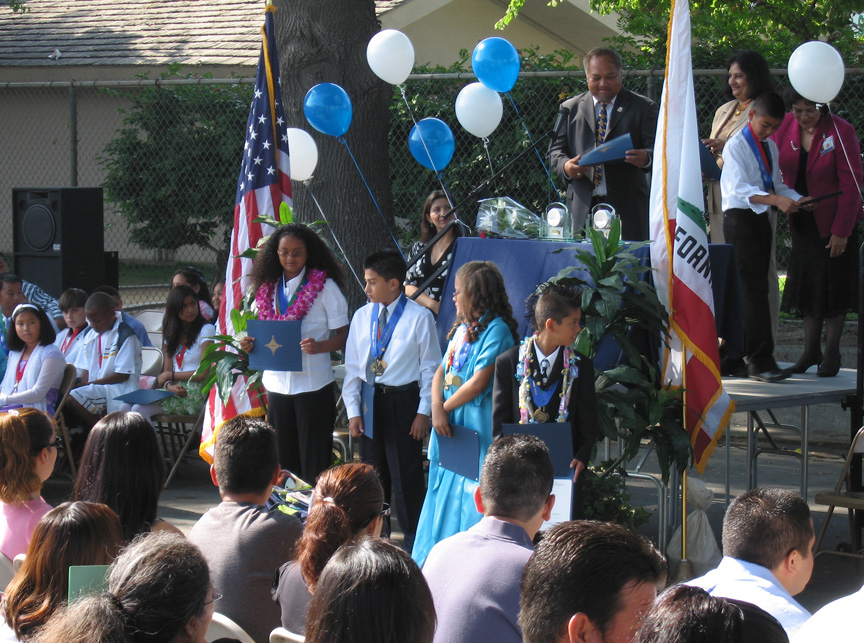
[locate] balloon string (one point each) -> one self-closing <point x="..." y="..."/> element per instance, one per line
<point x="845" y="153"/>
<point x="308" y="184"/>
<point x="344" y="142"/>
<point x="531" y="140"/>
<point x="488" y="154"/>
<point x="423" y="140"/>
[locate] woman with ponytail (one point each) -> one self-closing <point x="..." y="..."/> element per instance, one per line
<point x="348" y="503"/>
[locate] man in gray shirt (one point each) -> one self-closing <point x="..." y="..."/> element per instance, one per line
<point x="243" y="542"/>
<point x="474" y="575"/>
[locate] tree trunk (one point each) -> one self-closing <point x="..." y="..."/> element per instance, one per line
<point x="325" y="41"/>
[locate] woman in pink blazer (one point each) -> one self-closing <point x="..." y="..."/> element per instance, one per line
<point x="820" y="155"/>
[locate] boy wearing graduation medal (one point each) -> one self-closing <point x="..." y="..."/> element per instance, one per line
<point x="545" y="379"/>
<point x="751" y="184"/>
<point x="393" y="348"/>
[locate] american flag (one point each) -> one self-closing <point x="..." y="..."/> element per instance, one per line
<point x="263" y="184"/>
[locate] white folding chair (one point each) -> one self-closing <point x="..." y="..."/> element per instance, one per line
<point x="152" y="319"/>
<point x="281" y="635"/>
<point x="222" y="627"/>
<point x="7" y="571"/>
<point x="151" y="360"/>
<point x="842" y="496"/>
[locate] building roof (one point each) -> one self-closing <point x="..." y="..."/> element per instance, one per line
<point x="131" y="32"/>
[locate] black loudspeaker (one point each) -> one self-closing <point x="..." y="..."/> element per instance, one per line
<point x="59" y="238"/>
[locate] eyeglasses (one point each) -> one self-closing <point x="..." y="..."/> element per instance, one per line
<point x="57" y="444"/>
<point x="284" y="254"/>
<point x="810" y="111"/>
<point x="214" y="596"/>
<point x="385" y="510"/>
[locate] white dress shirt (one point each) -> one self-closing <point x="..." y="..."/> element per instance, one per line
<point x="412" y="355"/>
<point x="742" y="179"/>
<point x="328" y="312"/>
<point x="838" y="621"/>
<point x="754" y="584"/>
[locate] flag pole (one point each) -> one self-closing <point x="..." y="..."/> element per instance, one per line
<point x="685" y="569"/>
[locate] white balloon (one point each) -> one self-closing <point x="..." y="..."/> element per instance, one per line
<point x="479" y="109"/>
<point x="816" y="71"/>
<point x="302" y="154"/>
<point x="391" y="56"/>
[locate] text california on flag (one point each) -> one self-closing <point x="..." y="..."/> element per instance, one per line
<point x="264" y="183"/>
<point x="679" y="250"/>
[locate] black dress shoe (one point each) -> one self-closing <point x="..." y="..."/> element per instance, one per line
<point x="803" y="364"/>
<point x="829" y="368"/>
<point x="771" y="375"/>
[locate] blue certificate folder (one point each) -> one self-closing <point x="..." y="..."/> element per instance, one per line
<point x="708" y="163"/>
<point x="277" y="345"/>
<point x="144" y="396"/>
<point x="460" y="453"/>
<point x="367" y="408"/>
<point x="612" y="150"/>
<point x="558" y="440"/>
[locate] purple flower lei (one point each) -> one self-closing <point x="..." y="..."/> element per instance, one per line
<point x="302" y="302"/>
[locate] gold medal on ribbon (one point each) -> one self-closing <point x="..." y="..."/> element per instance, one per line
<point x="540" y="416"/>
<point x="448" y="380"/>
<point x="378" y="367"/>
<point x="456" y="380"/>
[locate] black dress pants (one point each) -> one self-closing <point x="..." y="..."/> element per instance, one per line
<point x="397" y="457"/>
<point x="750" y="234"/>
<point x="304" y="430"/>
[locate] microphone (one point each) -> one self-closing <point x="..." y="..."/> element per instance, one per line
<point x="563" y="116"/>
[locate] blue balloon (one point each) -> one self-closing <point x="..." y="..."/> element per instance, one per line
<point x="496" y="64"/>
<point x="431" y="142"/>
<point x="328" y="109"/>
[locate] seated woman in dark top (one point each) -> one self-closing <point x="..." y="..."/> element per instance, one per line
<point x="434" y="220"/>
<point x="348" y="504"/>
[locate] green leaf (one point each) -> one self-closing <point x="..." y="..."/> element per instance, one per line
<point x="286" y="215"/>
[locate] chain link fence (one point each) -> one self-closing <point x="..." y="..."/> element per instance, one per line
<point x="169" y="179"/>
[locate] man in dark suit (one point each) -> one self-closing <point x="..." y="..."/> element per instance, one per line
<point x="604" y="112"/>
<point x="539" y="367"/>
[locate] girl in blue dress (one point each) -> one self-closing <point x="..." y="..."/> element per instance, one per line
<point x="462" y="395"/>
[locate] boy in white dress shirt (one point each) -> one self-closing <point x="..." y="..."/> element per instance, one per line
<point x="110" y="361"/>
<point x="751" y="184"/>
<point x="392" y="345"/>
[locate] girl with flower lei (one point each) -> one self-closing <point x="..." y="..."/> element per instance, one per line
<point x="296" y="277"/>
<point x="566" y="394"/>
<point x="462" y="395"/>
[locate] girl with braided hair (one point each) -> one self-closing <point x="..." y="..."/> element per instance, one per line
<point x="462" y="395"/>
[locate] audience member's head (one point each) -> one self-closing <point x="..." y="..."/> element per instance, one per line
<point x="99" y="311"/>
<point x="371" y="591"/>
<point x="112" y="292"/>
<point x="11" y="293"/>
<point x="28" y="451"/>
<point x="218" y="293"/>
<point x="684" y="614"/>
<point x="244" y="458"/>
<point x="194" y="278"/>
<point x="158" y="591"/>
<point x="758" y="625"/>
<point x="72" y="303"/>
<point x="182" y="320"/>
<point x="29" y="324"/>
<point x="587" y="579"/>
<point x="122" y="467"/>
<point x="516" y="481"/>
<point x="772" y="528"/>
<point x="74" y="533"/>
<point x="348" y="503"/>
